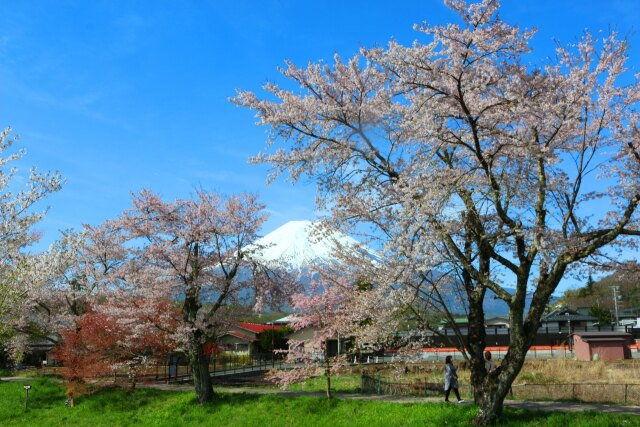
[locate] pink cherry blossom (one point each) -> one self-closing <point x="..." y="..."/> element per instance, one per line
<point x="471" y="167"/>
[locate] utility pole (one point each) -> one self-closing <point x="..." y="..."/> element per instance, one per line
<point x="569" y="335"/>
<point x="615" y="303"/>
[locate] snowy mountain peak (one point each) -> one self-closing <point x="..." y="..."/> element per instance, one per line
<point x="300" y="244"/>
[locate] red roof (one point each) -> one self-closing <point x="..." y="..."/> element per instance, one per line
<point x="257" y="327"/>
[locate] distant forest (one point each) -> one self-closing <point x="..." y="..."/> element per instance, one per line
<point x="598" y="295"/>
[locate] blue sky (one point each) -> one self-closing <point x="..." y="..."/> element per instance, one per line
<point x="120" y="96"/>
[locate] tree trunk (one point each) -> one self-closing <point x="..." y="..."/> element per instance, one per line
<point x="490" y="394"/>
<point x="199" y="362"/>
<point x="491" y="403"/>
<point x="490" y="390"/>
<point x="200" y="373"/>
<point x="133" y="377"/>
<point x="476" y="343"/>
<point x="327" y="374"/>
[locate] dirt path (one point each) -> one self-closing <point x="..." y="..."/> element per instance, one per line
<point x="17" y="379"/>
<point x="546" y="406"/>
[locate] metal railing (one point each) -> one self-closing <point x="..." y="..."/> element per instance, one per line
<point x="226" y="364"/>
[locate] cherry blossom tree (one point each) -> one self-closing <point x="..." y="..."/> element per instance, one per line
<point x="471" y="163"/>
<point x="76" y="272"/>
<point x="334" y="306"/>
<point x="318" y="314"/>
<point x="18" y="215"/>
<point x="199" y="252"/>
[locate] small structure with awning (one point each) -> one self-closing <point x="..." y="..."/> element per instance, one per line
<point x="602" y="345"/>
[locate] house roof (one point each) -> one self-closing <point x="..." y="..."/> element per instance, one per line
<point x="604" y="339"/>
<point x="241" y="336"/>
<point x="572" y="317"/>
<point x="562" y="314"/>
<point x="257" y="328"/>
<point x="457" y="320"/>
<point x="629" y="312"/>
<point x="41" y="345"/>
<point x="601" y="335"/>
<point x="493" y="320"/>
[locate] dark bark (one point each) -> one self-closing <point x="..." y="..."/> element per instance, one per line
<point x="494" y="387"/>
<point x="327" y="369"/>
<point x="490" y="389"/>
<point x="327" y="373"/>
<point x="198" y="360"/>
<point x="200" y="372"/>
<point x="476" y="344"/>
<point x="490" y="402"/>
<point x="132" y="382"/>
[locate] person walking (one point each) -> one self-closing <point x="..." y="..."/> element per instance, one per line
<point x="450" y="380"/>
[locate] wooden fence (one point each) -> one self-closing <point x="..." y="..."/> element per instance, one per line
<point x="628" y="394"/>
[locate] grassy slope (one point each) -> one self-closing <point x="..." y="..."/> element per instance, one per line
<point x="339" y="384"/>
<point x="157" y="408"/>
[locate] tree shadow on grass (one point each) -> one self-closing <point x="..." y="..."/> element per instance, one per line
<point x="528" y="417"/>
<point x="116" y="399"/>
<point x="306" y="404"/>
<point x="514" y="417"/>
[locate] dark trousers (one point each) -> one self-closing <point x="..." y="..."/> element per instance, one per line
<point x="447" y="391"/>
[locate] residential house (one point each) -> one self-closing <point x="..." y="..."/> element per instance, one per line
<point x="243" y="338"/>
<point x="629" y="317"/>
<point x="564" y="319"/>
<point x="497" y="323"/>
<point x="335" y="346"/>
<point x="448" y="328"/>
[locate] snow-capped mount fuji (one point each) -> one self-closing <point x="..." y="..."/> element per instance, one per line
<point x="302" y="244"/>
<point x="299" y="245"/>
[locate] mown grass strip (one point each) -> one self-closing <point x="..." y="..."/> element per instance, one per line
<point x="147" y="407"/>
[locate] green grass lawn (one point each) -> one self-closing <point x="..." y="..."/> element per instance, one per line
<point x="339" y="384"/>
<point x="146" y="407"/>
